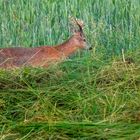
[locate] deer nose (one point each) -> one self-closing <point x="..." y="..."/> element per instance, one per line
<point x="90" y="48"/>
<point x="87" y="47"/>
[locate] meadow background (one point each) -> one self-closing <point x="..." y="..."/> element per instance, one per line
<point x="92" y="95"/>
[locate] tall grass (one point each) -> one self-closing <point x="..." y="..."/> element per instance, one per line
<point x="112" y="24"/>
<point x="87" y="97"/>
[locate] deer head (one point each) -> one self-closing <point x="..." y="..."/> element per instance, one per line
<point x="78" y="34"/>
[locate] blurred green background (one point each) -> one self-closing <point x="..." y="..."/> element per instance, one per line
<point x="109" y="24"/>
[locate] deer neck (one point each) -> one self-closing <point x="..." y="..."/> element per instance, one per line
<point x="67" y="48"/>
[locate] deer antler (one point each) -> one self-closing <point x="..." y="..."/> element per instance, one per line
<point x="78" y="22"/>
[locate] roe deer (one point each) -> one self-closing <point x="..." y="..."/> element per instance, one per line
<point x="43" y="56"/>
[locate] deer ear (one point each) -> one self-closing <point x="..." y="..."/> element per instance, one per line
<point x="77" y="33"/>
<point x="72" y="29"/>
<point x="79" y="23"/>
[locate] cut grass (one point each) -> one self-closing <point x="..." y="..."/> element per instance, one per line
<point x="86" y="102"/>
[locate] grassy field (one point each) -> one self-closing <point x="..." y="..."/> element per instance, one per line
<point x="94" y="94"/>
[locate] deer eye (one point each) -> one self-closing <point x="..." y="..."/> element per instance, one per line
<point x="84" y="39"/>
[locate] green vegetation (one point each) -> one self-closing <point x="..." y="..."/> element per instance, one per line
<point x="94" y="95"/>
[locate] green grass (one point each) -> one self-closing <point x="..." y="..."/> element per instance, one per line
<point x="113" y="24"/>
<point x="93" y="95"/>
<point x="78" y="99"/>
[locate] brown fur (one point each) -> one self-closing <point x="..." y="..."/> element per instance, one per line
<point x="41" y="56"/>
